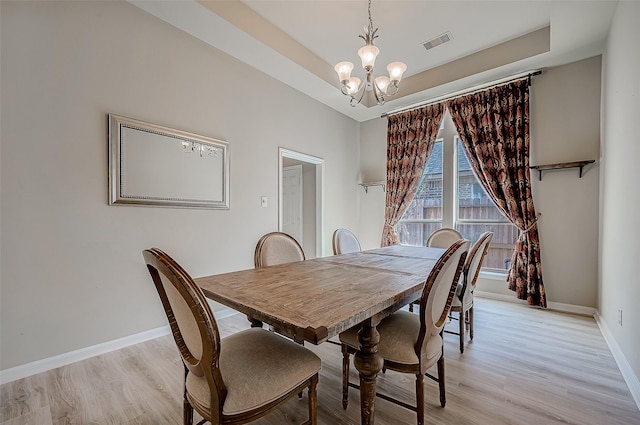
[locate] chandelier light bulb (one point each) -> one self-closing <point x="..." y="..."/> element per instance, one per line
<point x="344" y="70"/>
<point x="353" y="85"/>
<point x="383" y="83"/>
<point x="368" y="56"/>
<point x="396" y="69"/>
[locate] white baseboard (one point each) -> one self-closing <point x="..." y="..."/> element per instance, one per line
<point x="39" y="366"/>
<point x="566" y="308"/>
<point x="497" y="296"/>
<point x="623" y="364"/>
<point x="571" y="308"/>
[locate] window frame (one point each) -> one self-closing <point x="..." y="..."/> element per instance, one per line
<point x="450" y="189"/>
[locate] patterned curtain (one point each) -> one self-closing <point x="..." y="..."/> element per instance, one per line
<point x="494" y="128"/>
<point x="410" y="139"/>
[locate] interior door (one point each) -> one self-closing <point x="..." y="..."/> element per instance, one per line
<point x="292" y="201"/>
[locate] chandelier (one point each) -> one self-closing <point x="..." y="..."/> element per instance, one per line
<point x="382" y="86"/>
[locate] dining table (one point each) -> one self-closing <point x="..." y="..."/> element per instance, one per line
<point x="316" y="299"/>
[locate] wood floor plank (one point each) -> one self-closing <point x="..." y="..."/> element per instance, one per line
<point x="22" y="397"/>
<point x="40" y="416"/>
<point x="525" y="366"/>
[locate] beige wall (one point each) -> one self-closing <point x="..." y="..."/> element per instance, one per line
<point x="373" y="155"/>
<point x="72" y="272"/>
<point x="619" y="286"/>
<point x="564" y="127"/>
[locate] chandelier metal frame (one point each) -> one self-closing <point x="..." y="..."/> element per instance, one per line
<point x="382" y="86"/>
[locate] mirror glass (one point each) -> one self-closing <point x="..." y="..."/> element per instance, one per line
<point x="154" y="165"/>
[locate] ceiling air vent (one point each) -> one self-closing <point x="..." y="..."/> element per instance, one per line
<point x="441" y="39"/>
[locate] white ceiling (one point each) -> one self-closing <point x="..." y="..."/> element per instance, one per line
<point x="299" y="41"/>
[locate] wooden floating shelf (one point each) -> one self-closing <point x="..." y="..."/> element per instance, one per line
<point x="369" y="184"/>
<point x="561" y="165"/>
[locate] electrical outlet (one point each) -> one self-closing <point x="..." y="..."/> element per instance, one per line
<point x="620" y="316"/>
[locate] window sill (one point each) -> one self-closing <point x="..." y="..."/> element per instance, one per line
<point x="493" y="275"/>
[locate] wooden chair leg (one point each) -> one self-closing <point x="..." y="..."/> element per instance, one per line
<point x="462" y="325"/>
<point x="313" y="401"/>
<point x="420" y="398"/>
<point x="410" y="307"/>
<point x="443" y="395"/>
<point x="187" y="413"/>
<point x="187" y="409"/>
<point x="345" y="376"/>
<point x="471" y="322"/>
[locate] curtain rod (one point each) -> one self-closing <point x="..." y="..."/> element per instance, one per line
<point x="464" y="92"/>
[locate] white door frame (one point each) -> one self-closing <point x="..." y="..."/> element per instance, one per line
<point x="319" y="163"/>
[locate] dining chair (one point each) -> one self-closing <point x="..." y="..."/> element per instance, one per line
<point x="463" y="301"/>
<point x="237" y="379"/>
<point x="344" y="242"/>
<point x="441" y="238"/>
<point x="412" y="343"/>
<point x="277" y="248"/>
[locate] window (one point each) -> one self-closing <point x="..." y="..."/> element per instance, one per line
<point x="424" y="214"/>
<point x="450" y="195"/>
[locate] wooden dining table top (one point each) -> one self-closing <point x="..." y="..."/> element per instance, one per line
<point x="317" y="299"/>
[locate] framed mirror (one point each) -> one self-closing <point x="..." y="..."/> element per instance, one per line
<point x="154" y="165"/>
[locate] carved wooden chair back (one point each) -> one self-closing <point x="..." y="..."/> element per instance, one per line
<point x="437" y="296"/>
<point x="192" y="323"/>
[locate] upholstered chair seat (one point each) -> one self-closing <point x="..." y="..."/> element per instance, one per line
<point x="257" y="368"/>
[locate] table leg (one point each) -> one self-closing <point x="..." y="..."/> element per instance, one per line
<point x="368" y="363"/>
<point x="254" y="322"/>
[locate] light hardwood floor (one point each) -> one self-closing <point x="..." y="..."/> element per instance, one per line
<point x="525" y="366"/>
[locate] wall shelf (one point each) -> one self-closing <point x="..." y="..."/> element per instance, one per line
<point x="370" y="184"/>
<point x="561" y="166"/>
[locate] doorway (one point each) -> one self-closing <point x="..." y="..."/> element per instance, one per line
<point x="301" y="200"/>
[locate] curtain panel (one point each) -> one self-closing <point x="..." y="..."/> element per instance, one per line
<point x="410" y="139"/>
<point x="494" y="128"/>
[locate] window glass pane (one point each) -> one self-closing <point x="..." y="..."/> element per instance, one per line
<point x="474" y="204"/>
<point x="502" y="245"/>
<point x="426" y="204"/>
<point x="416" y="233"/>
